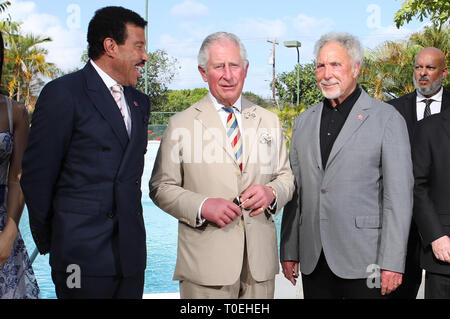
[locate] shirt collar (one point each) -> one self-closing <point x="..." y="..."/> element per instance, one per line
<point x="437" y="97"/>
<point x="109" y="81"/>
<point x="219" y="106"/>
<point x="346" y="106"/>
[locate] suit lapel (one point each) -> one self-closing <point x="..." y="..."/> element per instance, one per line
<point x="356" y="118"/>
<point x="445" y="100"/>
<point x="134" y="112"/>
<point x="105" y="104"/>
<point x="446" y="122"/>
<point x="210" y="120"/>
<point x="136" y="127"/>
<point x="250" y="120"/>
<point x="316" y="118"/>
<point x="412" y="108"/>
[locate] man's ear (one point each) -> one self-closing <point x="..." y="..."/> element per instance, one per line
<point x="356" y="69"/>
<point x="203" y="73"/>
<point x="110" y="47"/>
<point x="246" y="65"/>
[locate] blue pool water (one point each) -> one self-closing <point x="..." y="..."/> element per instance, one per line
<point x="161" y="242"/>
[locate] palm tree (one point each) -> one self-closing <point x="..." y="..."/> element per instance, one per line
<point x="433" y="37"/>
<point x="27" y="61"/>
<point x="4" y="5"/>
<point x="36" y="65"/>
<point x="388" y="69"/>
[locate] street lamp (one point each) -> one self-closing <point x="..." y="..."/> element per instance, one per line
<point x="296" y="44"/>
<point x="146" y="47"/>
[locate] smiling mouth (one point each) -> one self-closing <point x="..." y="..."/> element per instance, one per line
<point x="139" y="68"/>
<point x="228" y="87"/>
<point x="328" y="85"/>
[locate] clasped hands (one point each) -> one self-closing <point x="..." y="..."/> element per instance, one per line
<point x="223" y="212"/>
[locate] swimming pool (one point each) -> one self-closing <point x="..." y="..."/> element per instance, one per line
<point x="162" y="233"/>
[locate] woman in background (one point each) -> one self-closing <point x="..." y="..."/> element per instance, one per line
<point x="17" y="279"/>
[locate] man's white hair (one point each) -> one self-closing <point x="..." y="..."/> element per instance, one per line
<point x="351" y="44"/>
<point x="203" y="55"/>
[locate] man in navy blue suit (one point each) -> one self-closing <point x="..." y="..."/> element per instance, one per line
<point x="83" y="165"/>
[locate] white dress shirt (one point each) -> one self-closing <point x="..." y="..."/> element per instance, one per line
<point x="109" y="82"/>
<point x="435" y="106"/>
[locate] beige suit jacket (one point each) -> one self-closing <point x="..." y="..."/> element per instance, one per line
<point x="195" y="161"/>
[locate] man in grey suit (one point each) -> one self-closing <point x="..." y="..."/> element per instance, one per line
<point x="348" y="222"/>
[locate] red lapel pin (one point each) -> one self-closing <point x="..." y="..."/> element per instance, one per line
<point x="136" y="104"/>
<point x="360" y="117"/>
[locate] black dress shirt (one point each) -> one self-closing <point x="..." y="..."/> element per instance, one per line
<point x="332" y="121"/>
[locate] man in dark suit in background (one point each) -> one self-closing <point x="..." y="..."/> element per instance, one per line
<point x="431" y="156"/>
<point x="429" y="98"/>
<point x="83" y="165"/>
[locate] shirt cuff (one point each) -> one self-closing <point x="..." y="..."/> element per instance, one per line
<point x="273" y="206"/>
<point x="200" y="220"/>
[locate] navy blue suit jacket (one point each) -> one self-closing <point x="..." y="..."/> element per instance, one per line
<point x="82" y="176"/>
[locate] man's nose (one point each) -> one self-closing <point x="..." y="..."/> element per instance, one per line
<point x="327" y="72"/>
<point x="423" y="71"/>
<point x="145" y="57"/>
<point x="227" y="72"/>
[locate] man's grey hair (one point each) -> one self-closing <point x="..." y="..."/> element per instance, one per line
<point x="348" y="41"/>
<point x="203" y="55"/>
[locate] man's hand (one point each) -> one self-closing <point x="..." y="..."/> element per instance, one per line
<point x="290" y="271"/>
<point x="441" y="249"/>
<point x="220" y="211"/>
<point x="390" y="281"/>
<point x="257" y="198"/>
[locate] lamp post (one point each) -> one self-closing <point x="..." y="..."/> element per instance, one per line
<point x="296" y="44"/>
<point x="146" y="47"/>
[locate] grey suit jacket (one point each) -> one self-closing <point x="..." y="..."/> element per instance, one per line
<point x="358" y="208"/>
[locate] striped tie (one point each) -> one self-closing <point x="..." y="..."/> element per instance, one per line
<point x="427" y="111"/>
<point x="117" y="92"/>
<point x="234" y="135"/>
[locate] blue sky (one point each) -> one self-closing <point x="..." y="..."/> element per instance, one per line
<point x="179" y="26"/>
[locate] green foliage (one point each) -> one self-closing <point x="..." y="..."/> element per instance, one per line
<point x="4" y="5"/>
<point x="287" y="115"/>
<point x="25" y="64"/>
<point x="438" y="11"/>
<point x="161" y="70"/>
<point x="174" y="101"/>
<point x="286" y="86"/>
<point x="254" y="98"/>
<point x="178" y="100"/>
<point x="388" y="69"/>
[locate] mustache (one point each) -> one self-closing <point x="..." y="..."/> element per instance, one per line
<point x="422" y="78"/>
<point x="329" y="82"/>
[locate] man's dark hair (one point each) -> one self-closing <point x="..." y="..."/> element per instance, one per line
<point x="110" y="22"/>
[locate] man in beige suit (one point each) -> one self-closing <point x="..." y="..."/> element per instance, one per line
<point x="224" y="149"/>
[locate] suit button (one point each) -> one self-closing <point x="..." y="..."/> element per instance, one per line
<point x="137" y="182"/>
<point x="111" y="215"/>
<point x="323" y="191"/>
